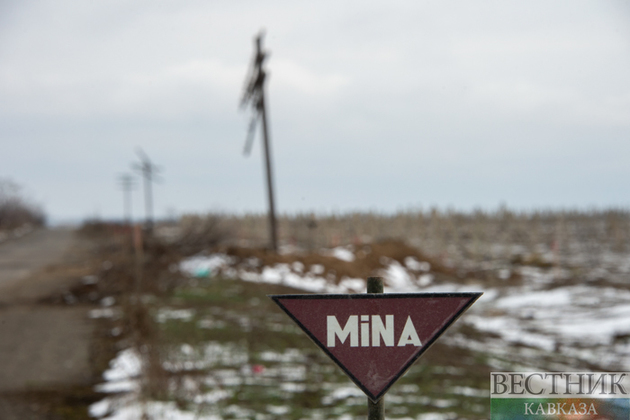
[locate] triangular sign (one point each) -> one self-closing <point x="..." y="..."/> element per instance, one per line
<point x="375" y="338"/>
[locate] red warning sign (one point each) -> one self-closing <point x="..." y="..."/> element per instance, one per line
<point x="375" y="338"/>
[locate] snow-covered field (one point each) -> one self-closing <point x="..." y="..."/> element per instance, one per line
<point x="581" y="319"/>
<point x="569" y="315"/>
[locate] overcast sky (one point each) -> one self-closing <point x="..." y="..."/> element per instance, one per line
<point x="372" y="105"/>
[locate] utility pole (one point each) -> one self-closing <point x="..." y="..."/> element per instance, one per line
<point x="126" y="182"/>
<point x="149" y="172"/>
<point x="255" y="96"/>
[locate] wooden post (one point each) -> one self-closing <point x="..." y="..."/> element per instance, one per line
<point x="376" y="410"/>
<point x="138" y="247"/>
<point x="273" y="228"/>
<point x="148" y="203"/>
<point x="126" y="182"/>
<point x="255" y="95"/>
<point x="148" y="171"/>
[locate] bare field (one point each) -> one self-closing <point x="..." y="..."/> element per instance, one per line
<point x="211" y="346"/>
<point x="196" y="336"/>
<point x="467" y="242"/>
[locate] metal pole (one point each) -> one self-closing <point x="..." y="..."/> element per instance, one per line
<point x="272" y="208"/>
<point x="376" y="410"/>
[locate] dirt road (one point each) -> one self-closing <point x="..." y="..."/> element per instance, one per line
<point x="41" y="345"/>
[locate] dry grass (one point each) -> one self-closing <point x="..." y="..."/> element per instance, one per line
<point x="370" y="260"/>
<point x="449" y="236"/>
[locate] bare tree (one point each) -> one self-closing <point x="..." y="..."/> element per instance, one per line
<point x="15" y="209"/>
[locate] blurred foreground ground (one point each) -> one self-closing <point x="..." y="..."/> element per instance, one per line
<point x="183" y="329"/>
<point x="43" y="348"/>
<point x="556" y="296"/>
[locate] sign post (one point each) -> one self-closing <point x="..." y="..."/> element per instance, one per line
<point x="376" y="410"/>
<point x="375" y="337"/>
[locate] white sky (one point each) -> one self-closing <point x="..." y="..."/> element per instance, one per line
<point x="372" y="105"/>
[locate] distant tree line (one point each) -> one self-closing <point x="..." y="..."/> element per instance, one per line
<point x="15" y="209"/>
